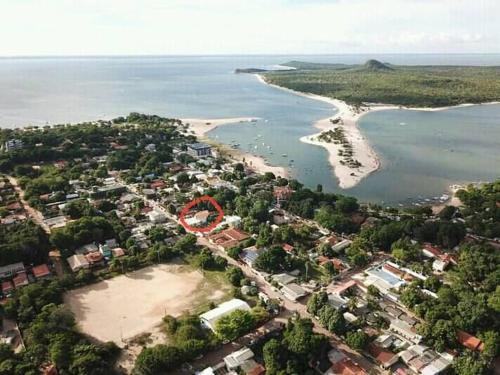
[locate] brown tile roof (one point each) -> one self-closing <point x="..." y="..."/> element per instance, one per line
<point x="228" y="238"/>
<point x="433" y="250"/>
<point x="158" y="184"/>
<point x="41" y="270"/>
<point x="380" y="354"/>
<point x="20" y="279"/>
<point x="94" y="257"/>
<point x="469" y="341"/>
<point x="348" y="367"/>
<point x="332" y="240"/>
<point x="118" y="252"/>
<point x="257" y="370"/>
<point x="282" y="192"/>
<point x="7" y="286"/>
<point x="14" y="206"/>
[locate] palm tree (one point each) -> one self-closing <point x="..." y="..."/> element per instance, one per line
<point x="352" y="303"/>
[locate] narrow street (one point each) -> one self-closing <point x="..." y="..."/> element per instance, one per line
<point x="294" y="307"/>
<point x="33" y="213"/>
<point x="288" y="307"/>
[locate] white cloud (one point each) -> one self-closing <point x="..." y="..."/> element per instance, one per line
<point x="61" y="27"/>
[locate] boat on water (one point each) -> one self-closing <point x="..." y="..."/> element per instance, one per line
<point x="284" y="155"/>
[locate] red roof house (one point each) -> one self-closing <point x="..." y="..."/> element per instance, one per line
<point x="431" y="251"/>
<point x="158" y="184"/>
<point x="469" y="341"/>
<point x="21" y="279"/>
<point x="385" y="357"/>
<point x="228" y="238"/>
<point x="282" y="192"/>
<point x="41" y="271"/>
<point x="348" y="367"/>
<point x="7" y="287"/>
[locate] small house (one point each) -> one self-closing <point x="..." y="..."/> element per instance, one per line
<point x="211" y="317"/>
<point x="20" y="280"/>
<point x="41" y="271"/>
<point x="77" y="262"/>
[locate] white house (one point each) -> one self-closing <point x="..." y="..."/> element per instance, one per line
<point x="210" y="318"/>
<point x="157" y="217"/>
<point x="77" y="262"/>
<point x="236" y="359"/>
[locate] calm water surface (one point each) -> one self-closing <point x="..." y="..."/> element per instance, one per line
<point x="422" y="152"/>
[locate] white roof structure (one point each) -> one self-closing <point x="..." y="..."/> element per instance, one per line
<point x="436" y="367"/>
<point x="236" y="359"/>
<point x="157" y="216"/>
<point x="77" y="262"/>
<point x="210" y="318"/>
<point x="293" y="291"/>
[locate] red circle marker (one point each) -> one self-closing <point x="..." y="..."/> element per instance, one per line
<point x="209" y="227"/>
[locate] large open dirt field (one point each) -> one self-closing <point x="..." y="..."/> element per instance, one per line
<point x="125" y="306"/>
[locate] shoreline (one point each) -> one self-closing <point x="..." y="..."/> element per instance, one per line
<point x="363" y="152"/>
<point x="200" y="128"/>
<point x="347" y="177"/>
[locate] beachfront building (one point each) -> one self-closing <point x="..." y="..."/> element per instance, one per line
<point x="199" y="150"/>
<point x="211" y="317"/>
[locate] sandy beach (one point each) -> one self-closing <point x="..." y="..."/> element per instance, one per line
<point x="258" y="163"/>
<point x="347" y="176"/>
<point x="363" y="152"/>
<point x="200" y="128"/>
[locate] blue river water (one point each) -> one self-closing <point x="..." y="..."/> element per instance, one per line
<point x="422" y="152"/>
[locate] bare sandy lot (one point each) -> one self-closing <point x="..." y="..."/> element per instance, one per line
<point x="125" y="306"/>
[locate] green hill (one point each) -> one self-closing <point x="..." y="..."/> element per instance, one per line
<point x="405" y="85"/>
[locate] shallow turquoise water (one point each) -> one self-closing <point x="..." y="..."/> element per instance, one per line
<point x="424" y="152"/>
<point x="423" y="157"/>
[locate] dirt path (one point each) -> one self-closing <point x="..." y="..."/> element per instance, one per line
<point x="33" y="213"/>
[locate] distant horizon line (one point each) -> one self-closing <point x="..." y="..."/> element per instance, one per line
<point x="249" y="54"/>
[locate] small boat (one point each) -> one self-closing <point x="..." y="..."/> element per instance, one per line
<point x="284" y="155"/>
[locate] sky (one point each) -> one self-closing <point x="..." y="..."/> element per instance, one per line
<point x="201" y="27"/>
